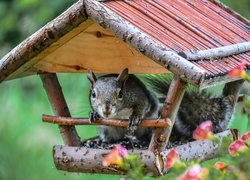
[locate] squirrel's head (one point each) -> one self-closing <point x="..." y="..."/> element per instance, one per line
<point x="106" y="92"/>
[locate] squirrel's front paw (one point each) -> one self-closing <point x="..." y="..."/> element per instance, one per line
<point x="93" y="116"/>
<point x="133" y="123"/>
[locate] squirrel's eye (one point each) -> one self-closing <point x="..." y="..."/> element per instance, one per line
<point x="93" y="94"/>
<point x="120" y="95"/>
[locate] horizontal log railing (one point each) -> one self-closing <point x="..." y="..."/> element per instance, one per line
<point x="68" y="121"/>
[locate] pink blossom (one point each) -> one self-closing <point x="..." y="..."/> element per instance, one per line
<point x="219" y="165"/>
<point x="238" y="71"/>
<point x="239" y="145"/>
<point x="194" y="172"/>
<point x="203" y="131"/>
<point x="236" y="147"/>
<point x="171" y="158"/>
<point x="245" y="137"/>
<point x="115" y="156"/>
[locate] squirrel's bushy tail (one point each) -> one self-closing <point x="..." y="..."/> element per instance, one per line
<point x="196" y="107"/>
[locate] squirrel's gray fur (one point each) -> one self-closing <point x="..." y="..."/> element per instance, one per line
<point x="195" y="108"/>
<point x="121" y="96"/>
<point x="124" y="96"/>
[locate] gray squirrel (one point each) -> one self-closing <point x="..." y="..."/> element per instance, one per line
<point x="124" y="96"/>
<point x="121" y="97"/>
<point x="195" y="108"/>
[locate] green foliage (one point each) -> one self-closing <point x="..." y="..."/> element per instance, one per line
<point x="25" y="141"/>
<point x="242" y="7"/>
<point x="134" y="167"/>
<point x="21" y="18"/>
<point x="231" y="167"/>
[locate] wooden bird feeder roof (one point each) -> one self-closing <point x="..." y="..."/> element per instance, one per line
<point x="196" y="40"/>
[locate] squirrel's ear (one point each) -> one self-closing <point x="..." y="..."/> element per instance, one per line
<point x="123" y="76"/>
<point x="92" y="78"/>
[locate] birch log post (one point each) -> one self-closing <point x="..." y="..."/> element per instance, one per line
<point x="87" y="160"/>
<point x="170" y="108"/>
<point x="215" y="53"/>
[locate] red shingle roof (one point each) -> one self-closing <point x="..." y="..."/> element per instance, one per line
<point x="187" y="25"/>
<point x="183" y="36"/>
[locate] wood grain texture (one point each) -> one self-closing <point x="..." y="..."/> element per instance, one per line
<point x="100" y="50"/>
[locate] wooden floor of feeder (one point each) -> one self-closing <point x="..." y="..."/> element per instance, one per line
<point x="89" y="160"/>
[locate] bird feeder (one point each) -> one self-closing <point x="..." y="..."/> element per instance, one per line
<point x="197" y="41"/>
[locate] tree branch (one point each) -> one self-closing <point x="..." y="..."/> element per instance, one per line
<point x="107" y="122"/>
<point x="170" y="108"/>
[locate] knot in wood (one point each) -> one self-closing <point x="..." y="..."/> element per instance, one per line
<point x="98" y="34"/>
<point x="161" y="139"/>
<point x="129" y="37"/>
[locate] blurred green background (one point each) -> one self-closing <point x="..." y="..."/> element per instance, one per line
<point x="25" y="141"/>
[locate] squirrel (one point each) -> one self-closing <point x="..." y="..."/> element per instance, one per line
<point x="195" y="108"/>
<point x="125" y="96"/>
<point x="121" y="97"/>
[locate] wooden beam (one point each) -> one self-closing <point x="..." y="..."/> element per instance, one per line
<point x="88" y="160"/>
<point x="106" y="122"/>
<point x="169" y="111"/>
<point x="59" y="107"/>
<point x="215" y="53"/>
<point x="170" y="108"/>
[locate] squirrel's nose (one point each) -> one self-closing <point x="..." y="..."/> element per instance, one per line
<point x="107" y="110"/>
<point x="106" y="113"/>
